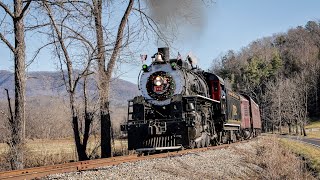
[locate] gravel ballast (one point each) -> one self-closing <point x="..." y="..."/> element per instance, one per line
<point x="226" y="163"/>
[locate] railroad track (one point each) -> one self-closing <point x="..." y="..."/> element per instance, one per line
<point x="38" y="172"/>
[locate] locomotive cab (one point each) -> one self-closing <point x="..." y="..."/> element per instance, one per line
<point x="216" y="86"/>
<point x="217" y="90"/>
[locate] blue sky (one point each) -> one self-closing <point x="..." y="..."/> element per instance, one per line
<point x="230" y="24"/>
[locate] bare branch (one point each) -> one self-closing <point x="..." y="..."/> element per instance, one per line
<point x="7" y="43"/>
<point x="38" y="51"/>
<point x="119" y="38"/>
<point x="25" y="8"/>
<point x="4" y="17"/>
<point x="62" y="44"/>
<point x="5" y="7"/>
<point x="30" y="28"/>
<point x="84" y="73"/>
<point x="10" y="108"/>
<point x="82" y="38"/>
<point x="61" y="67"/>
<point x="154" y="26"/>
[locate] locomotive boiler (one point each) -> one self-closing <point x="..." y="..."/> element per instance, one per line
<point x="182" y="106"/>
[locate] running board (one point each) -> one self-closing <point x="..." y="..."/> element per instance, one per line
<point x="231" y="127"/>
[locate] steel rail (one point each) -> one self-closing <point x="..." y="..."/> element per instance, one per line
<point x="38" y="172"/>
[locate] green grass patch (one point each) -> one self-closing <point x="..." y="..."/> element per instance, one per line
<point x="311" y="153"/>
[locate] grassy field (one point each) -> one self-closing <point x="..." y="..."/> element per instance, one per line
<point x="313" y="129"/>
<point x="311" y="153"/>
<point x="47" y="152"/>
<point x="56" y="146"/>
<point x="314" y="124"/>
<point x="313" y="134"/>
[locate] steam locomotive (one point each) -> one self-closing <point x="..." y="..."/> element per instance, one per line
<point x="182" y="106"/>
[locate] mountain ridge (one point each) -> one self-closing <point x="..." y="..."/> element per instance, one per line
<point x="50" y="83"/>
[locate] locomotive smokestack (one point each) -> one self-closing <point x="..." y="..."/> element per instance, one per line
<point x="165" y="52"/>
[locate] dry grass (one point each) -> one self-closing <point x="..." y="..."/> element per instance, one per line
<point x="315" y="124"/>
<point x="313" y="134"/>
<point x="276" y="161"/>
<point x="48" y="152"/>
<point x="311" y="153"/>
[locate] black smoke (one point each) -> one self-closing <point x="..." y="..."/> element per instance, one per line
<point x="178" y="18"/>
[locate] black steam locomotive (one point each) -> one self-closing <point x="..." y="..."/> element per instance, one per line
<point x="182" y="106"/>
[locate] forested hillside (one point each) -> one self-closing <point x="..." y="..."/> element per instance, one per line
<point x="281" y="73"/>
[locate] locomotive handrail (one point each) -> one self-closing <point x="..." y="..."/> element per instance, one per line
<point x="203" y="97"/>
<point x="142" y="121"/>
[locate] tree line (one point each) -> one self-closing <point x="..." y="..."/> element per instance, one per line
<point x="281" y="73"/>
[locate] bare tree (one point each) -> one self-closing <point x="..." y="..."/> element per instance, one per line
<point x="105" y="74"/>
<point x="304" y="86"/>
<point x="61" y="33"/>
<point x="17" y="16"/>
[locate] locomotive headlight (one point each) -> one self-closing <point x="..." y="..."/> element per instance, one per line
<point x="158" y="81"/>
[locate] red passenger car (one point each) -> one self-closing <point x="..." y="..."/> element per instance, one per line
<point x="251" y="109"/>
<point x="245" y="117"/>
<point x="255" y="118"/>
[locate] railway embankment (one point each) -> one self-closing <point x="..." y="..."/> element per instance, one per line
<point x="261" y="158"/>
<point x="308" y="149"/>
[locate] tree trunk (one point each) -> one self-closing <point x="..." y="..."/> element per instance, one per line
<point x="105" y="131"/>
<point x="279" y="113"/>
<point x="87" y="123"/>
<point x="290" y="130"/>
<point x="88" y="117"/>
<point x="81" y="150"/>
<point x="280" y="129"/>
<point x="105" y="75"/>
<point x="272" y="128"/>
<point x="305" y="112"/>
<point x="20" y="85"/>
<point x="316" y="97"/>
<point x="303" y="130"/>
<point x="103" y="84"/>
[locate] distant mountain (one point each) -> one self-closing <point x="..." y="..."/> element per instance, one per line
<point x="43" y="83"/>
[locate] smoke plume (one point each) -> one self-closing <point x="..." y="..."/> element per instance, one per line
<point x="178" y="18"/>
